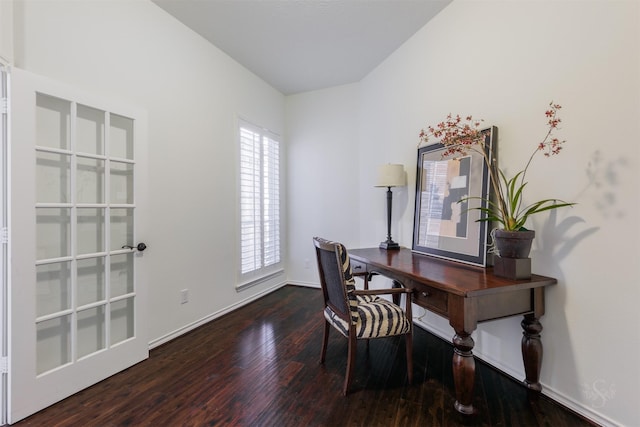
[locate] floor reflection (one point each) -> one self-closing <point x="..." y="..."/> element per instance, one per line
<point x="257" y="343"/>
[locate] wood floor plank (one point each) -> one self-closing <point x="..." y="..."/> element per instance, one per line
<point x="259" y="366"/>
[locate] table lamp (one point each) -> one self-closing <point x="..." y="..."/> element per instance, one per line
<point x="390" y="176"/>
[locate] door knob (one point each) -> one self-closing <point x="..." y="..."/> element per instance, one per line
<point x="141" y="247"/>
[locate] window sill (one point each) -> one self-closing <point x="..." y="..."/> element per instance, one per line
<point x="259" y="280"/>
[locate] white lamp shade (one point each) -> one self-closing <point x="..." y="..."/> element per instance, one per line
<point x="391" y="176"/>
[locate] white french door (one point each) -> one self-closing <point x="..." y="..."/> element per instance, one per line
<point x="76" y="283"/>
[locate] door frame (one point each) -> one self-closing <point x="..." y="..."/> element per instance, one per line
<point x="5" y="121"/>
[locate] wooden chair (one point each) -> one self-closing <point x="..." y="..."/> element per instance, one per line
<point x="358" y="314"/>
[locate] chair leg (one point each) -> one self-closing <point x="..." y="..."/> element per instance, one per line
<point x="409" y="338"/>
<point x="325" y="340"/>
<point x="409" y="348"/>
<point x="351" y="361"/>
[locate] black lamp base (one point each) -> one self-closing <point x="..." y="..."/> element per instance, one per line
<point x="389" y="245"/>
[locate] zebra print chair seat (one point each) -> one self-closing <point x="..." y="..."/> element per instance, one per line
<point x="358" y="314"/>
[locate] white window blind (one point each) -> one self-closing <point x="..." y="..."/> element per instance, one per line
<point x="259" y="200"/>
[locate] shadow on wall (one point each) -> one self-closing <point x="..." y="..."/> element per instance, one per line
<point x="604" y="192"/>
<point x="555" y="242"/>
<point x="604" y="178"/>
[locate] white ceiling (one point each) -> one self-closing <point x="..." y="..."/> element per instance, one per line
<point x="302" y="45"/>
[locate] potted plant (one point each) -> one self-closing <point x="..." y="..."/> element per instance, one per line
<point x="507" y="208"/>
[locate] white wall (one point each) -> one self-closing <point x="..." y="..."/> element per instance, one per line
<point x="505" y="61"/>
<point x="6" y="31"/>
<point x="327" y="175"/>
<point x="134" y="51"/>
<point x="323" y="172"/>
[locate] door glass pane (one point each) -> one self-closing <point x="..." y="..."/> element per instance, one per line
<point x="91" y="331"/>
<point x="121" y="320"/>
<point x="121" y="183"/>
<point x="53" y="233"/>
<point x="91" y="234"/>
<point x="91" y="280"/>
<point x="53" y="120"/>
<point x="90" y="130"/>
<point x="53" y="177"/>
<point x="121" y="274"/>
<point x="53" y="288"/>
<point x="90" y="180"/>
<point x="53" y="343"/>
<point x="121" y="137"/>
<point x="84" y="175"/>
<point x="121" y="227"/>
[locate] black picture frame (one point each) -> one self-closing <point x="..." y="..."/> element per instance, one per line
<point x="443" y="227"/>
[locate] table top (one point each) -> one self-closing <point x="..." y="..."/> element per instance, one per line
<point x="453" y="277"/>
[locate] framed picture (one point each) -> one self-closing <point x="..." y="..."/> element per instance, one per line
<point x="443" y="226"/>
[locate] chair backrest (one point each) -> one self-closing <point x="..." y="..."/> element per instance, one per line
<point x="336" y="278"/>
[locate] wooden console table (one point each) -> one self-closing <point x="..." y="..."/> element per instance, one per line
<point x="465" y="295"/>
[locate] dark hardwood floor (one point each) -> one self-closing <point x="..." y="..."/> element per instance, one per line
<point x="258" y="366"/>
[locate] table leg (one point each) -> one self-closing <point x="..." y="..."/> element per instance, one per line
<point x="464" y="371"/>
<point x="532" y="351"/>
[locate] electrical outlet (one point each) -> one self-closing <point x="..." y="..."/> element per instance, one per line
<point x="184" y="296"/>
<point x="307" y="263"/>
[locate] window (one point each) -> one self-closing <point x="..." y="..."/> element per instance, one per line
<point x="259" y="201"/>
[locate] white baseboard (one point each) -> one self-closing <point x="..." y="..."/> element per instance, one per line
<point x="189" y="327"/>
<point x="304" y="284"/>
<point x="578" y="408"/>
